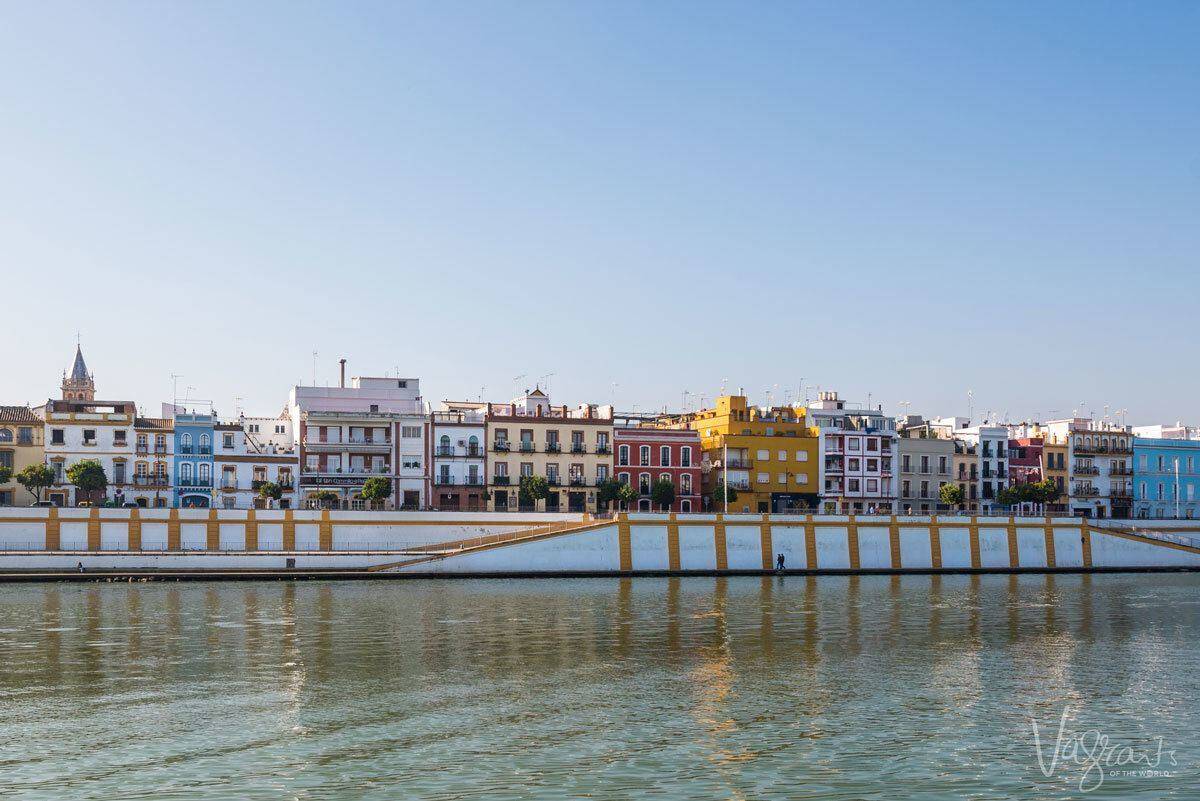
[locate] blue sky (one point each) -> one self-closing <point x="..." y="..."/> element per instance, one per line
<point x="905" y="201"/>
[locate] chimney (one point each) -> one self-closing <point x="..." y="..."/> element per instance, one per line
<point x="342" y="365"/>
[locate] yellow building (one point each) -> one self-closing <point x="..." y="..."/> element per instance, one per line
<point x="20" y="446"/>
<point x="571" y="448"/>
<point x="772" y="454"/>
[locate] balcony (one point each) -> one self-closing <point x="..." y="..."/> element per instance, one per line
<point x="500" y="445"/>
<point x="736" y="464"/>
<point x="577" y="481"/>
<point x="152" y="480"/>
<point x="194" y="481"/>
<point x="160" y="450"/>
<point x="603" y="449"/>
<point x="444" y="450"/>
<point x="473" y="481"/>
<point x="1121" y="471"/>
<point x="141" y="449"/>
<point x="554" y="481"/>
<point x="553" y="447"/>
<point x="1087" y="492"/>
<point x="1086" y="470"/>
<point x="1109" y="449"/>
<point x="578" y="447"/>
<point x="445" y="481"/>
<point x="500" y="481"/>
<point x="527" y="447"/>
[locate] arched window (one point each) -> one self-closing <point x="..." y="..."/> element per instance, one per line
<point x="185" y="472"/>
<point x="685" y="457"/>
<point x="6" y="435"/>
<point x="186" y="440"/>
<point x="644" y="484"/>
<point x="205" y="441"/>
<point x="664" y="476"/>
<point x="685" y="484"/>
<point x="444" y="442"/>
<point x="473" y="442"/>
<point x="644" y="454"/>
<point x="685" y="506"/>
<point x="623" y="455"/>
<point x="623" y="478"/>
<point x="664" y="456"/>
<point x="205" y="471"/>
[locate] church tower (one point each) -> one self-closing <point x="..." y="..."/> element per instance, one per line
<point x="79" y="385"/>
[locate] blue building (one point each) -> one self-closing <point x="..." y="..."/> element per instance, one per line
<point x="1166" y="477"/>
<point x="194" y="460"/>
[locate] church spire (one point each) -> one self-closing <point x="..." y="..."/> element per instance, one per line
<point x="79" y="385"/>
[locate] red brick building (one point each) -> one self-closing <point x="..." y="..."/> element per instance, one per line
<point x="1025" y="460"/>
<point x="644" y="455"/>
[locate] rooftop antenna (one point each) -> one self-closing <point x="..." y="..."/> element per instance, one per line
<point x="175" y="391"/>
<point x="545" y="381"/>
<point x="683" y="401"/>
<point x="314" y="383"/>
<point x="970" y="406"/>
<point x="724" y="381"/>
<point x="517" y="381"/>
<point x="237" y="405"/>
<point x="482" y="392"/>
<point x="614" y="393"/>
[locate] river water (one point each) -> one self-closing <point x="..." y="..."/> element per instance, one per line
<point x="920" y="687"/>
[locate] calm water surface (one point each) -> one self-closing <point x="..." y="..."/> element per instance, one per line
<point x="700" y="688"/>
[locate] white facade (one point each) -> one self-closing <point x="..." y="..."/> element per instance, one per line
<point x="458" y="455"/>
<point x="268" y="432"/>
<point x="98" y="430"/>
<point x="989" y="447"/>
<point x="857" y="450"/>
<point x="374" y="427"/>
<point x="241" y="465"/>
<point x="1100" y="461"/>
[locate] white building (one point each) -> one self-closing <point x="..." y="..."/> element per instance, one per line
<point x="243" y="464"/>
<point x="269" y="432"/>
<point x="79" y="428"/>
<point x="345" y="435"/>
<point x="987" y="448"/>
<point x="1177" y="431"/>
<point x="458" y="454"/>
<point x="1100" y="461"/>
<point x="856" y="447"/>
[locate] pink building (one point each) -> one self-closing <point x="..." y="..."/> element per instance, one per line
<point x="644" y="455"/>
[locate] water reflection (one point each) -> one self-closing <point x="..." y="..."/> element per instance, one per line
<point x="700" y="688"/>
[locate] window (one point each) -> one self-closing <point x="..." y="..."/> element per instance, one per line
<point x="25" y="436"/>
<point x="783" y="456"/>
<point x="801" y="456"/>
<point x="227" y="440"/>
<point x="685" y="456"/>
<point x="410" y="462"/>
<point x="763" y="455"/>
<point x="644" y="455"/>
<point x="853" y="464"/>
<point x="782" y="479"/>
<point x="644" y="484"/>
<point x="906" y="464"/>
<point x="854" y="485"/>
<point x="801" y="478"/>
<point x="1160" y="464"/>
<point x="924" y="464"/>
<point x="374" y="408"/>
<point x="941" y="464"/>
<point x="6" y="459"/>
<point x="410" y="432"/>
<point x="763" y="478"/>
<point x="872" y="485"/>
<point x="685" y="506"/>
<point x="854" y="444"/>
<point x="623" y="478"/>
<point x="904" y="489"/>
<point x="501" y="469"/>
<point x="664" y="455"/>
<point x="685" y="484"/>
<point x="873" y="466"/>
<point x="527" y="469"/>
<point x="601" y="473"/>
<point x="205" y="442"/>
<point x="89" y="436"/>
<point x="623" y="455"/>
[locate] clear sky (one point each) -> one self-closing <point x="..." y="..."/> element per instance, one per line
<point x="905" y="201"/>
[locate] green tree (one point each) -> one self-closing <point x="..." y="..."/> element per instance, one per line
<point x="718" y="495"/>
<point x="35" y="478"/>
<point x="270" y="491"/>
<point x="627" y="494"/>
<point x="662" y="492"/>
<point x="88" y="477"/>
<point x="5" y="474"/>
<point x="376" y="489"/>
<point x="952" y="495"/>
<point x="608" y="492"/>
<point x="1047" y="491"/>
<point x="326" y="499"/>
<point x="1011" y="496"/>
<point x="532" y="490"/>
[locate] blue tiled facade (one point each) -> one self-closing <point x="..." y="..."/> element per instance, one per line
<point x="1155" y="480"/>
<point x="194" y="460"/>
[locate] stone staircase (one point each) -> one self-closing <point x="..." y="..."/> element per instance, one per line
<point x="450" y="548"/>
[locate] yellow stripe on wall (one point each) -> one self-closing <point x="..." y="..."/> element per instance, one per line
<point x="673" y="542"/>
<point x="173" y="539"/>
<point x="53" y="531"/>
<point x="325" y="532"/>
<point x="289" y="531"/>
<point x="852" y="541"/>
<point x="213" y="526"/>
<point x="935" y="543"/>
<point x="973" y="532"/>
<point x="1085" y="535"/>
<point x="93" y="529"/>
<point x="768" y="548"/>
<point x="1014" y="555"/>
<point x="894" y="541"/>
<point x="1051" y="559"/>
<point x="135" y="530"/>
<point x="810" y="543"/>
<point x="251" y="531"/>
<point x="625" y="542"/>
<point x="719" y="544"/>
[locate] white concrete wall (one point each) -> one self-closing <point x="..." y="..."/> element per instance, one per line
<point x="595" y="549"/>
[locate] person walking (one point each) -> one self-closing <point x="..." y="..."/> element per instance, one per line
<point x="779" y="563"/>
